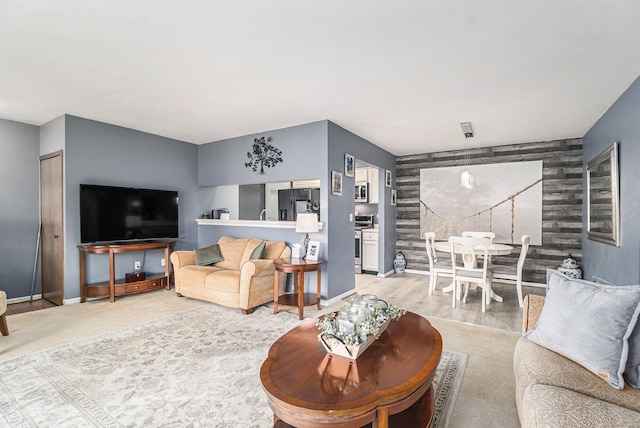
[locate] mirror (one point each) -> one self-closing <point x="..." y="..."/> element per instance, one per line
<point x="602" y="197"/>
<point x="279" y="201"/>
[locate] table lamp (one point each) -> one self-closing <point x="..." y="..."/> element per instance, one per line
<point x="306" y="223"/>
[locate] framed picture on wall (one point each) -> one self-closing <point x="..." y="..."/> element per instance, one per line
<point x="313" y="250"/>
<point x="394" y="196"/>
<point x="349" y="165"/>
<point x="336" y="183"/>
<point x="387" y="178"/>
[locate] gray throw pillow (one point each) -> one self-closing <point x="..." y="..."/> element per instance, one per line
<point x="208" y="255"/>
<point x="258" y="252"/>
<point x="633" y="359"/>
<point x="589" y="323"/>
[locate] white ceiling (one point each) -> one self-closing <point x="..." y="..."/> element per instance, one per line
<point x="401" y="74"/>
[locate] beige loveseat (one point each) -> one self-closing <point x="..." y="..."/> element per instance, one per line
<point x="553" y="391"/>
<point x="236" y="281"/>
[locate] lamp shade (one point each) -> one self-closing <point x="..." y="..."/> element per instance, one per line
<point x="307" y="223"/>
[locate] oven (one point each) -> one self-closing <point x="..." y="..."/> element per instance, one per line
<point x="362" y="222"/>
<point x="358" y="251"/>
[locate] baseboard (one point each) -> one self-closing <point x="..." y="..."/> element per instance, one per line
<point x="386" y="274"/>
<point x="38" y="297"/>
<point x="24" y="299"/>
<point x="417" y="272"/>
<point x="503" y="281"/>
<point x="337" y="298"/>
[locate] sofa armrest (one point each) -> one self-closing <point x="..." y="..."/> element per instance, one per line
<point x="182" y="258"/>
<point x="531" y="311"/>
<point x="258" y="267"/>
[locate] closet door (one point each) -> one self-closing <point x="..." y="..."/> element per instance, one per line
<point x="52" y="232"/>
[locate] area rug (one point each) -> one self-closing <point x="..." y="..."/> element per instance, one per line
<point x="198" y="368"/>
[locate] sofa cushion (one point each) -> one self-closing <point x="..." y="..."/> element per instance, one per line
<point x="273" y="250"/>
<point x="252" y="244"/>
<point x="258" y="252"/>
<point x="534" y="364"/>
<point x="550" y="406"/>
<point x="589" y="323"/>
<point x="208" y="255"/>
<point x="195" y="274"/>
<point x="225" y="280"/>
<point x="232" y="250"/>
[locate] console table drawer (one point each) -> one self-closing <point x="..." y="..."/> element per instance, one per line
<point x="140" y="286"/>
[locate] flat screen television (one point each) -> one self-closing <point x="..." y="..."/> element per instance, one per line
<point x="110" y="213"/>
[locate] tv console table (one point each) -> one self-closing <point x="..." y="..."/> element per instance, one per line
<point x="119" y="287"/>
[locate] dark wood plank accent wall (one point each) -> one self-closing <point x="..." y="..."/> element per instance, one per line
<point x="561" y="201"/>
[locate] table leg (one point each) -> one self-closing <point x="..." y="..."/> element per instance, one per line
<point x="318" y="288"/>
<point x="382" y="420"/>
<point x="301" y="295"/>
<point x="276" y="291"/>
<point x="449" y="288"/>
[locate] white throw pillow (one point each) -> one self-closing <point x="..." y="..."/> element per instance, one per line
<point x="633" y="359"/>
<point x="589" y="323"/>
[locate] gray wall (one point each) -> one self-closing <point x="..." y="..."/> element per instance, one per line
<point x="620" y="123"/>
<point x="99" y="153"/>
<point x="304" y="153"/>
<point x="561" y="201"/>
<point x="310" y="151"/>
<point x="19" y="210"/>
<point x="342" y="229"/>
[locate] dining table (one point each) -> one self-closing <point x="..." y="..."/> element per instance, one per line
<point x="493" y="250"/>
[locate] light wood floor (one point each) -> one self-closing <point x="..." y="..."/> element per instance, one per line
<point x="18" y="308"/>
<point x="411" y="292"/>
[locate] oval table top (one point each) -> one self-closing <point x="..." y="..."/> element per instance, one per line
<point x="307" y="386"/>
<point x="493" y="250"/>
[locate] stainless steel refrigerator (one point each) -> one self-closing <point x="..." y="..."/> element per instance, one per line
<point x="293" y="201"/>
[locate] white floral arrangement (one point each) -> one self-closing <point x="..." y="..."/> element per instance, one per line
<point x="369" y="326"/>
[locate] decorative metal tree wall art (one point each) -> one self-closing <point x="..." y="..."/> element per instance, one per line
<point x="263" y="155"/>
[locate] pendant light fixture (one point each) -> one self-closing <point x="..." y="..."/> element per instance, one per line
<point x="466" y="179"/>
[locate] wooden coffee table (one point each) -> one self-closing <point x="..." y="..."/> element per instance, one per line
<point x="390" y="384"/>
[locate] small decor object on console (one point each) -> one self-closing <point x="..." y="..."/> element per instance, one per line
<point x="569" y="267"/>
<point x="351" y="330"/>
<point x="134" y="276"/>
<point x="263" y="155"/>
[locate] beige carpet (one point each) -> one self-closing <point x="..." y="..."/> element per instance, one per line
<point x="486" y="395"/>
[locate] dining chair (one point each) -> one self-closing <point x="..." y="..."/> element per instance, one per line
<point x="473" y="234"/>
<point x="436" y="267"/>
<point x="514" y="272"/>
<point x="471" y="268"/>
<point x="479" y="234"/>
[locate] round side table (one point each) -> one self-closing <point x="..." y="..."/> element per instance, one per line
<point x="299" y="299"/>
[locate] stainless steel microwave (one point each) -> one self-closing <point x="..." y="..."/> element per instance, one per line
<point x="362" y="192"/>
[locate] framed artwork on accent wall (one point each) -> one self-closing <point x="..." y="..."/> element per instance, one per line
<point x="387" y="178"/>
<point x="394" y="196"/>
<point x="349" y="165"/>
<point x="336" y="183"/>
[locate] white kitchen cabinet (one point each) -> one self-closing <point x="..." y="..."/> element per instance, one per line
<point x="362" y="175"/>
<point x="370" y="251"/>
<point x="372" y="174"/>
<point x="303" y="184"/>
